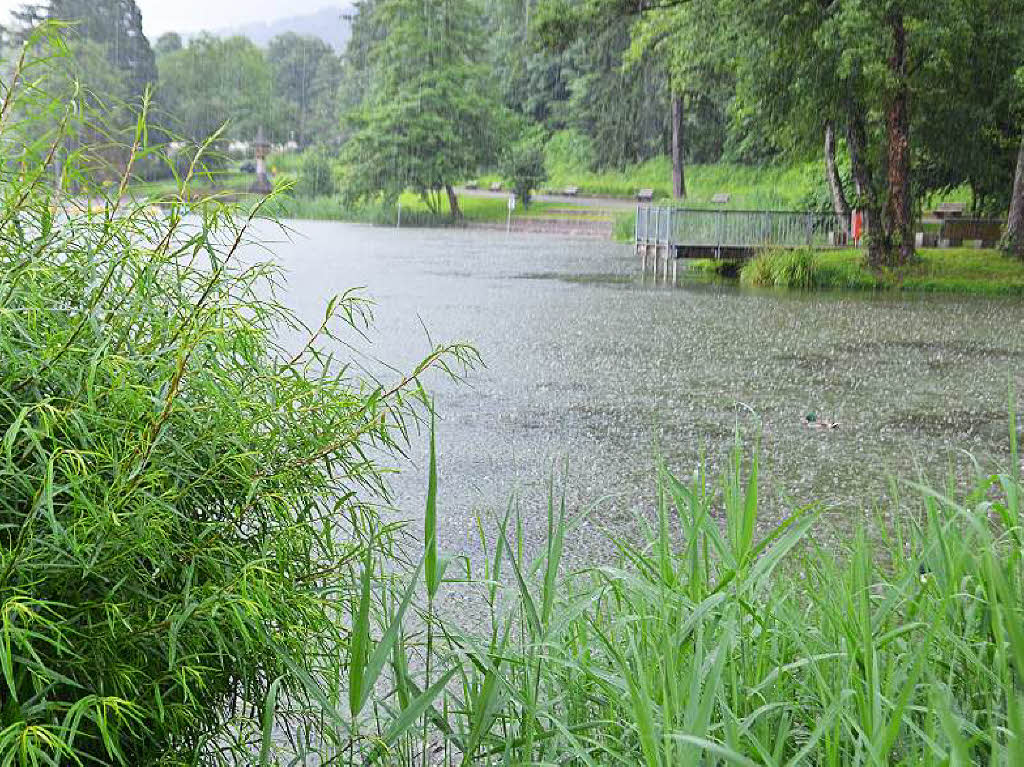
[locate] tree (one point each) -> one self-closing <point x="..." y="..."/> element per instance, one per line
<point x="113" y="25"/>
<point x="306" y="73"/>
<point x="696" y="68"/>
<point x="840" y="204"/>
<point x="116" y="25"/>
<point x="523" y="162"/>
<point x="316" y="173"/>
<point x="1013" y="240"/>
<point x="428" y="116"/>
<point x="324" y="102"/>
<point x="168" y="42"/>
<point x="856" y="64"/>
<point x="217" y="81"/>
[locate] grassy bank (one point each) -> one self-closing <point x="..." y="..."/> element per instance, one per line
<point x="938" y="270"/>
<point x="790" y="186"/>
<point x="768" y="187"/>
<point x="415" y="212"/>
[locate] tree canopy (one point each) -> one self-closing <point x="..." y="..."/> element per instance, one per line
<point x="427" y="117"/>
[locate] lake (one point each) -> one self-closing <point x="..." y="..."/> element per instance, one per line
<point x="594" y="371"/>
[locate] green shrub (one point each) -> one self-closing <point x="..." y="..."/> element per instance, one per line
<point x="186" y="487"/>
<point x="316" y="173"/>
<point x="782" y="268"/>
<point x="568" y="150"/>
<point x="523" y="163"/>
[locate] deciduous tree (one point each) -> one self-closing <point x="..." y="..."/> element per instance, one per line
<point x="305" y="72"/>
<point x="429" y="115"/>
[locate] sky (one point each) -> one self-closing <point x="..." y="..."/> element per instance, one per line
<point x="159" y="16"/>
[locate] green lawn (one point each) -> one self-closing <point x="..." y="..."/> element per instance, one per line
<point x="946" y="270"/>
<point x="202" y="184"/>
<point x="767" y="187"/>
<point x="971" y="270"/>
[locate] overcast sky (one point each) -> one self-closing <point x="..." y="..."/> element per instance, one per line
<point x="159" y="16"/>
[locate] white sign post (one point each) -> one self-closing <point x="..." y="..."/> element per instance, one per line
<point x="511" y="207"/>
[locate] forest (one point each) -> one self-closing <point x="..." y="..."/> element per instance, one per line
<point x="897" y="101"/>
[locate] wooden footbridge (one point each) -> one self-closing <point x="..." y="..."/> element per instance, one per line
<point x="731" y="234"/>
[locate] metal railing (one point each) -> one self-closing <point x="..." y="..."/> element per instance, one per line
<point x="683" y="227"/>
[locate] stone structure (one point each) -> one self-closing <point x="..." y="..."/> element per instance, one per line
<point x="260" y="150"/>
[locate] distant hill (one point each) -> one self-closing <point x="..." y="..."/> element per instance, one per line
<point x="329" y="24"/>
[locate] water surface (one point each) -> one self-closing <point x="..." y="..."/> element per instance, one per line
<point x="593" y="366"/>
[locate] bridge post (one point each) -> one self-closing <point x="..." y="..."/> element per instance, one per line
<point x="670" y="250"/>
<point x="721" y="228"/>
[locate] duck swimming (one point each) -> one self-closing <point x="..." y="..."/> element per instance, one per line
<point x="811" y="421"/>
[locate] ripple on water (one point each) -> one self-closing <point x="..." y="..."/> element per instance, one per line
<point x="593" y="366"/>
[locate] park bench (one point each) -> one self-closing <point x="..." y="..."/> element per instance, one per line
<point x="950" y="210"/>
<point x="986" y="231"/>
<point x="720" y="199"/>
<point x="645" y="195"/>
<point x="571" y="191"/>
<point x="496" y="186"/>
<point x="471" y="185"/>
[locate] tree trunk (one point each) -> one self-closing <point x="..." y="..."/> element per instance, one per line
<point x="1013" y="240"/>
<point x="899" y="224"/>
<point x="678" y="143"/>
<point x="835" y="183"/>
<point x="453" y="202"/>
<point x="863" y="182"/>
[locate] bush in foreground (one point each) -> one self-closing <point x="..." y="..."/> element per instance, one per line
<point x="185" y="502"/>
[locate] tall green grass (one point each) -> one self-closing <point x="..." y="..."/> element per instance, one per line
<point x="945" y="270"/>
<point x="186" y="500"/>
<point x="710" y="642"/>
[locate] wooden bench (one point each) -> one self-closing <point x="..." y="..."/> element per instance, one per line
<point x="720" y="199"/>
<point x="645" y="195"/>
<point x="496" y="186"/>
<point x="571" y="191"/>
<point x="471" y="185"/>
<point x="950" y="210"/>
<point x="955" y="230"/>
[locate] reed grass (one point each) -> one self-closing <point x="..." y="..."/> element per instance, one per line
<point x="705" y="643"/>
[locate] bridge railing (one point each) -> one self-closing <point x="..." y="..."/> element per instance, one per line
<point x="737" y="228"/>
<point x="654" y="225"/>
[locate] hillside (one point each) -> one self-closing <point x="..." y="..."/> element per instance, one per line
<point x="331" y="24"/>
